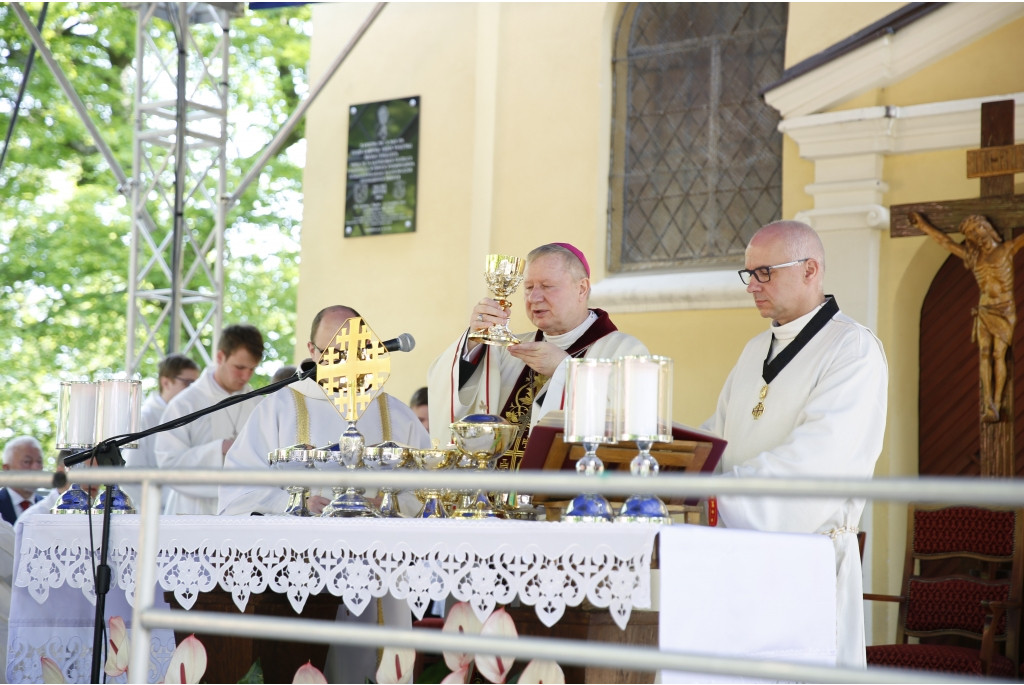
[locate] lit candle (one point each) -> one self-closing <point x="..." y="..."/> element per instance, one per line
<point x="118" y="408"/>
<point x="81" y="413"/>
<point x="588" y="402"/>
<point x="639" y="397"/>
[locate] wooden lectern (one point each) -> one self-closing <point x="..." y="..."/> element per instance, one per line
<point x="691" y="451"/>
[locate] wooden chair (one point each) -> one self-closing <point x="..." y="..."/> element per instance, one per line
<point x="983" y="604"/>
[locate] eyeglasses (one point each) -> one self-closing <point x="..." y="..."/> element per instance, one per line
<point x="763" y="274"/>
<point x="316" y="347"/>
<point x="185" y="381"/>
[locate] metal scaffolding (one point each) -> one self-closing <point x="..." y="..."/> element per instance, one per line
<point x="178" y="190"/>
<point x="179" y="178"/>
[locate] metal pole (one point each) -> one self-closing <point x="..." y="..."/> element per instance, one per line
<point x="175" y="312"/>
<point x="76" y="102"/>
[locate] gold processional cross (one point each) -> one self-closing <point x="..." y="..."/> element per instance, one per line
<point x="992" y="265"/>
<point x="353" y="368"/>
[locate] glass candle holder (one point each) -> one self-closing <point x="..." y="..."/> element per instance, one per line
<point x="644" y="401"/>
<point x="589" y="420"/>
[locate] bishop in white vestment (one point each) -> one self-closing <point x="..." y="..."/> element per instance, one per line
<point x="524" y="382"/>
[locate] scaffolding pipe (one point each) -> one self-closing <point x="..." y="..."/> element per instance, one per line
<point x="76" y="102"/>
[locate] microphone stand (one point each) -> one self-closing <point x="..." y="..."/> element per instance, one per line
<point x="108" y="453"/>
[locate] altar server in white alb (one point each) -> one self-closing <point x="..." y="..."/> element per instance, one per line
<point x="276" y="423"/>
<point x="174" y="373"/>
<point x="204" y="442"/>
<point x="523" y="382"/>
<point x="302" y="413"/>
<point x="806" y="398"/>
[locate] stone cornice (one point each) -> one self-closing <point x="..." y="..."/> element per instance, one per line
<point x="894" y="130"/>
<point x="891" y="58"/>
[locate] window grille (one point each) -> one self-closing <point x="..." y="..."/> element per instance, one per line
<point x="696" y="154"/>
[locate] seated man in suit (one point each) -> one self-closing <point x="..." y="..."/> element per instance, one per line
<point x="22" y="453"/>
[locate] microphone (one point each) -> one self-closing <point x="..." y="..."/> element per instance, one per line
<point x="403" y="343"/>
<point x="307" y="369"/>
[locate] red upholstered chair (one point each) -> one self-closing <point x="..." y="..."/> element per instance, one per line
<point x="983" y="604"/>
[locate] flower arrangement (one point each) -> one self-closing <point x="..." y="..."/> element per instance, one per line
<point x="397" y="665"/>
<point x="188" y="662"/>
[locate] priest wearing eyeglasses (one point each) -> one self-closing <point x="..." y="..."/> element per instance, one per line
<point x="807" y="397"/>
<point x="175" y="372"/>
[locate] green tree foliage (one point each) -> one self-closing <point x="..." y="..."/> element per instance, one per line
<point x="65" y="228"/>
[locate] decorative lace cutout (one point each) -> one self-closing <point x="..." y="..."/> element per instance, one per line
<point x="549" y="566"/>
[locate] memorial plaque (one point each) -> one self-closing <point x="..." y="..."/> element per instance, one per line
<point x="383" y="146"/>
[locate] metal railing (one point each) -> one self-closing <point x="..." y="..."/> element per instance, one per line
<point x="146" y="617"/>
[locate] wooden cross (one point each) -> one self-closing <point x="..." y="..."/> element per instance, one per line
<point x="995" y="164"/>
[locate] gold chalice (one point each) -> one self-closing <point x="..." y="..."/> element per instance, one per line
<point x="300" y="457"/>
<point x="483" y="438"/>
<point x="387" y="456"/>
<point x="503" y="275"/>
<point x="433" y="459"/>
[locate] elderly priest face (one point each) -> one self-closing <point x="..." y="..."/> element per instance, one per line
<point x="556" y="289"/>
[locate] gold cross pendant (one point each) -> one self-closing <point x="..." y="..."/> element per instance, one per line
<point x="759" y="407"/>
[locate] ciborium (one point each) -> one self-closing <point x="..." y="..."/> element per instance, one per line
<point x="482" y="438"/>
<point x="347" y="455"/>
<point x="644" y="414"/>
<point x="433" y="459"/>
<point x="503" y="275"/>
<point x="590" y="420"/>
<point x="387" y="456"/>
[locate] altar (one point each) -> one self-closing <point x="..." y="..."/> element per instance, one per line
<point x="544" y="565"/>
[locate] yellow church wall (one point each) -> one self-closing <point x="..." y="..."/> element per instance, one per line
<point x="990" y="66"/>
<point x="400" y="283"/>
<point x="514" y="135"/>
<point x="822" y="24"/>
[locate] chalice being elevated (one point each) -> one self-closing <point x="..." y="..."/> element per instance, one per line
<point x="644" y="414"/>
<point x="351" y="371"/>
<point x="503" y="275"/>
<point x="482" y="438"/>
<point x="589" y="419"/>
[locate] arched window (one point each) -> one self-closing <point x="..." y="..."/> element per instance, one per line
<point x="696" y="155"/>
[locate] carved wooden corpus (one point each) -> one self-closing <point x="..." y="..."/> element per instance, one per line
<point x="989" y="256"/>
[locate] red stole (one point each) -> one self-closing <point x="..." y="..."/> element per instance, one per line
<point x="518" y="408"/>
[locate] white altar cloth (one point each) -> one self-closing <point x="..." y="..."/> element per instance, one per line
<point x="487" y="563"/>
<point x="754" y="595"/>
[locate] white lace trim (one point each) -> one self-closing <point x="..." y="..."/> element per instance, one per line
<point x="546" y="565"/>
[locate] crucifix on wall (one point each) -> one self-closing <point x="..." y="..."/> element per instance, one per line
<point x="987" y="249"/>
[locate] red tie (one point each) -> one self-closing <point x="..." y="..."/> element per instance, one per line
<point x="25" y="504"/>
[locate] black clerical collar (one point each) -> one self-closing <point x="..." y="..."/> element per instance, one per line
<point x="772" y="368"/>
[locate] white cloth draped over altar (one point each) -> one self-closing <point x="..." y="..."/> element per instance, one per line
<point x="487" y="563"/>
